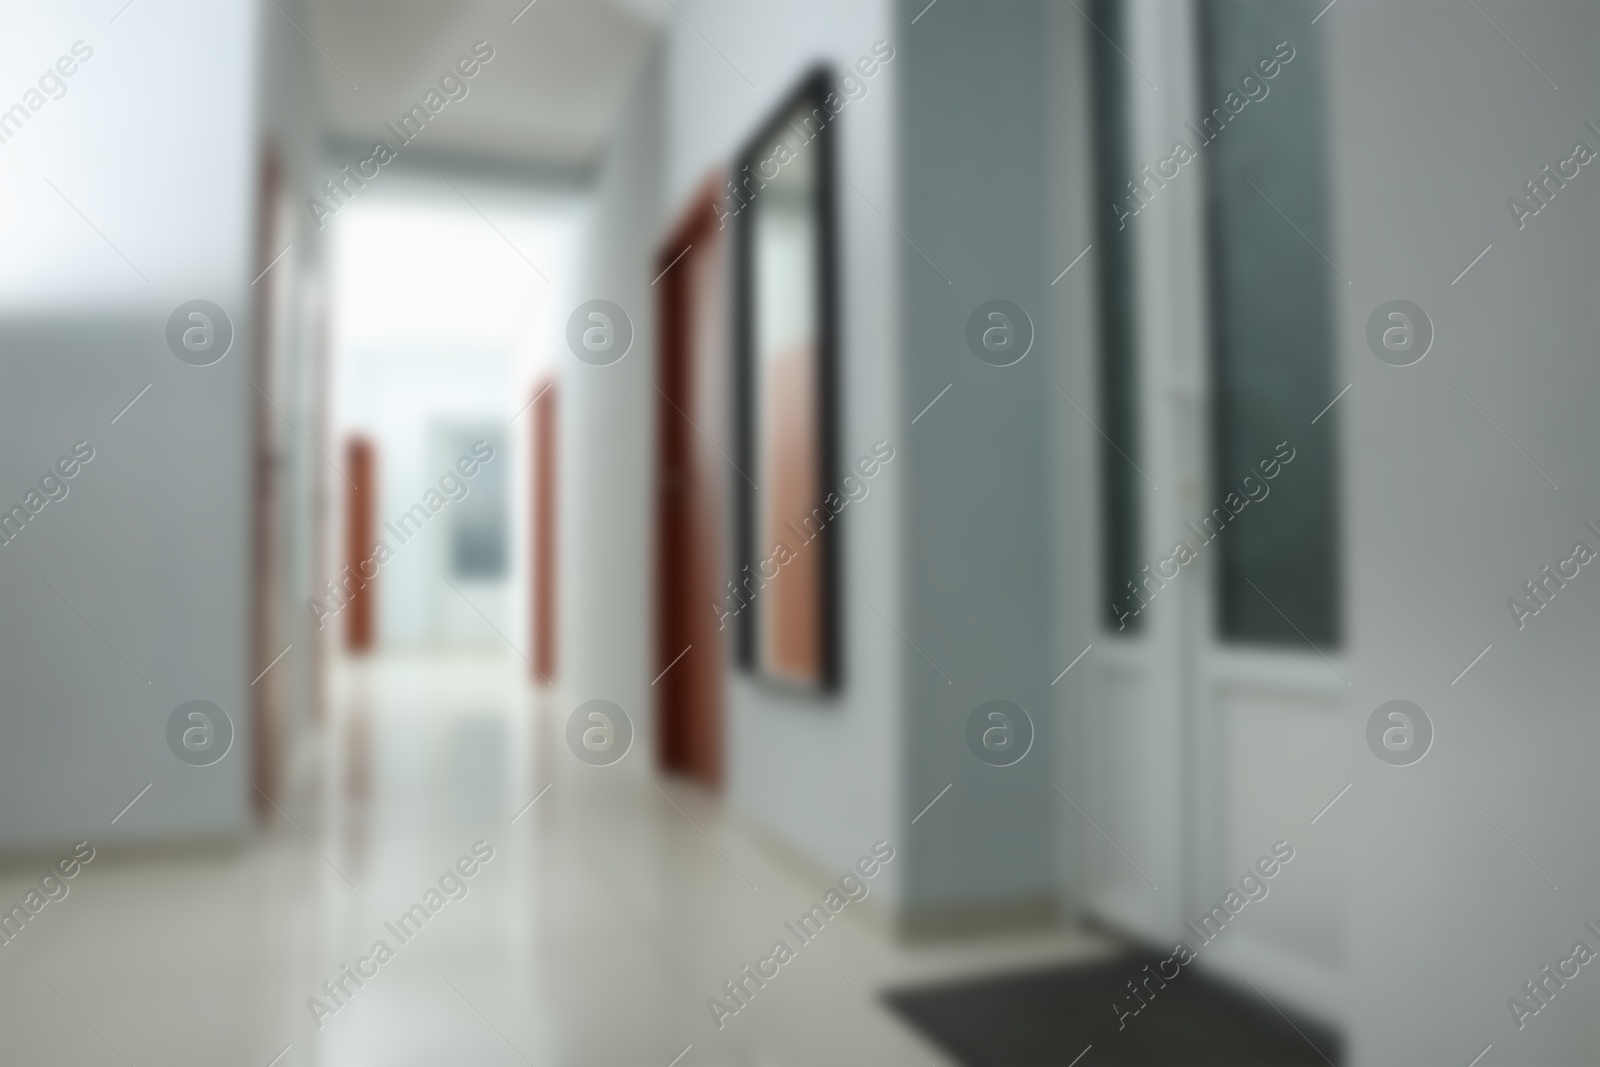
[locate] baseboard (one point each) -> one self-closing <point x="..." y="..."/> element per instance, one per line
<point x="24" y="858"/>
<point x="940" y="922"/>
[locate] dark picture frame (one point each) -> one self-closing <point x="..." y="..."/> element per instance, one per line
<point x="804" y="125"/>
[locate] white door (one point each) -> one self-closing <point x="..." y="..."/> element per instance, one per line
<point x="1216" y="690"/>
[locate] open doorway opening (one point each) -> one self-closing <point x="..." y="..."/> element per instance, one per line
<point x="443" y="295"/>
<point x="445" y="292"/>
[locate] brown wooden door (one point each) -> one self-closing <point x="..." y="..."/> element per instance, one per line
<point x="361" y="518"/>
<point x="270" y="299"/>
<point x="542" y="526"/>
<point x="691" y="480"/>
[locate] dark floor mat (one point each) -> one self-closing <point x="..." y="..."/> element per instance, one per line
<point x="1048" y="1017"/>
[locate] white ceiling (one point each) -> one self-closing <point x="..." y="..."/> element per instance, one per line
<point x="549" y="97"/>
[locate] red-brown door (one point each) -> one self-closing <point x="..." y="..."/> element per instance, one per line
<point x="691" y="480"/>
<point x="542" y="525"/>
<point x="268" y="625"/>
<point x="361" y="515"/>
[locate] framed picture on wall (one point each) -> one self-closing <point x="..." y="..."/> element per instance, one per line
<point x="785" y="336"/>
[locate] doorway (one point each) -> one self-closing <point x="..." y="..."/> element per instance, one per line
<point x="1217" y="686"/>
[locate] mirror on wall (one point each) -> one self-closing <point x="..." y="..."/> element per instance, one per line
<point x="782" y="197"/>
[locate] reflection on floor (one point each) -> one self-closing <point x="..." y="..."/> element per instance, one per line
<point x="609" y="912"/>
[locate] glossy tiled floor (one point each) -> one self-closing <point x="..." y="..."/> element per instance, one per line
<point x="594" y="936"/>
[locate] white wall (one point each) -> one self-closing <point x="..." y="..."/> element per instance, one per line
<point x="606" y="433"/>
<point x="978" y="552"/>
<point x="155" y="142"/>
<point x="821" y="774"/>
<point x="1445" y="521"/>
